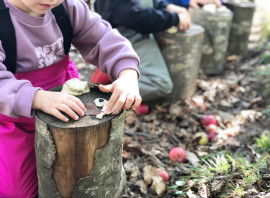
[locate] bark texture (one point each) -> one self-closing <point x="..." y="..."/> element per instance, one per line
<point x="217" y="28"/>
<point x="182" y="54"/>
<point x="80" y="158"/>
<point x="241" y="26"/>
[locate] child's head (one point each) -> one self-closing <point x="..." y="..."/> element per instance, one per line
<point x="36" y="7"/>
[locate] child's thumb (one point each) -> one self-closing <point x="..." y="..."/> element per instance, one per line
<point x="106" y="88"/>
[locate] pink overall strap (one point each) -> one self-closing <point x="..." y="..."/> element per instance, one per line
<point x="18" y="177"/>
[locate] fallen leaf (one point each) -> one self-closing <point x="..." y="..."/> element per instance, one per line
<point x="216" y="185"/>
<point x="148" y="172"/>
<point x="158" y="185"/>
<point x="193" y="159"/>
<point x="151" y="176"/>
<point x="130" y="166"/>
<point x="142" y="186"/>
<point x="203" y="189"/>
<point x="190" y="194"/>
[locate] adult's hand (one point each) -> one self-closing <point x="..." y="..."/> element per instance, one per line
<point x="184" y="23"/>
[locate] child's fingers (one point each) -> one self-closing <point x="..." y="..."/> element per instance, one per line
<point x="119" y="103"/>
<point x="77" y="105"/>
<point x="74" y="107"/>
<point x="129" y="101"/>
<point x="106" y="88"/>
<point x="137" y="103"/>
<point x="69" y="111"/>
<point x="111" y="102"/>
<point x="56" y="113"/>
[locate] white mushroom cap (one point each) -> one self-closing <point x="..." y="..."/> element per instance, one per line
<point x="100" y="102"/>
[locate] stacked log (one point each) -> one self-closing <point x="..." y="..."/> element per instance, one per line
<point x="243" y="13"/>
<point x="217" y="28"/>
<point x="80" y="158"/>
<point x="182" y="53"/>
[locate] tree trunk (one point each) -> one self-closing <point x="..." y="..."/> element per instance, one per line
<point x="80" y="158"/>
<point x="217" y="28"/>
<point x="241" y="26"/>
<point x="182" y="54"/>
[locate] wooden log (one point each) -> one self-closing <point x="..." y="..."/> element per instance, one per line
<point x="241" y="26"/>
<point x="80" y="158"/>
<point x="217" y="28"/>
<point x="182" y="54"/>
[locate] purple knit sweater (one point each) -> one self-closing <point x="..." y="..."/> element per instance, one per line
<point x="40" y="44"/>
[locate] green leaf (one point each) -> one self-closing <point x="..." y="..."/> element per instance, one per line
<point x="173" y="187"/>
<point x="180" y="193"/>
<point x="180" y="183"/>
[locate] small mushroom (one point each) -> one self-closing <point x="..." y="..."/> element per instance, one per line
<point x="100" y="102"/>
<point x="100" y="115"/>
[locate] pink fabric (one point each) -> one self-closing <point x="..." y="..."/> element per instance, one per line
<point x="18" y="177"/>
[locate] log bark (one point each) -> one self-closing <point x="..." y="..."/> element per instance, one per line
<point x="217" y="28"/>
<point x="182" y="54"/>
<point x="80" y="158"/>
<point x="241" y="26"/>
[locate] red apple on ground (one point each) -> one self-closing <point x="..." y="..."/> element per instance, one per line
<point x="164" y="174"/>
<point x="211" y="135"/>
<point x="211" y="128"/>
<point x="177" y="154"/>
<point x="207" y="120"/>
<point x="203" y="138"/>
<point x="143" y="109"/>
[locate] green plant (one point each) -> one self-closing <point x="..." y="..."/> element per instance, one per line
<point x="251" y="177"/>
<point x="238" y="191"/>
<point x="179" y="183"/>
<point x="218" y="164"/>
<point x="263" y="142"/>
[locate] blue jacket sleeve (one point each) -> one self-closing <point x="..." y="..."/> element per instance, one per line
<point x="182" y="3"/>
<point x="131" y="14"/>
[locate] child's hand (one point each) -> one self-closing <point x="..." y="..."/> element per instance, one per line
<point x="184" y="23"/>
<point x="125" y="92"/>
<point x="175" y="8"/>
<point x="55" y="102"/>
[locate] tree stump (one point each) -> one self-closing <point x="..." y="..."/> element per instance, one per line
<point x="241" y="26"/>
<point x="217" y="28"/>
<point x="182" y="54"/>
<point x="81" y="158"/>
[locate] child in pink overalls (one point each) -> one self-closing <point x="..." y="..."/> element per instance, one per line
<point x="34" y="58"/>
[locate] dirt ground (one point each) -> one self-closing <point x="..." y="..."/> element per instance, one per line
<point x="238" y="99"/>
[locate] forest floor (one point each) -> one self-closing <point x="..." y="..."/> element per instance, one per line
<point x="235" y="163"/>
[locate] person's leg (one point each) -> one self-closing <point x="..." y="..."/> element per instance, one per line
<point x="18" y="176"/>
<point x="155" y="81"/>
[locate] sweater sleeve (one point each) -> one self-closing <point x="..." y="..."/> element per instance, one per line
<point x="16" y="95"/>
<point x="131" y="14"/>
<point x="98" y="43"/>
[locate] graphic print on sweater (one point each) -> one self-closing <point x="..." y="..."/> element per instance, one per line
<point x="47" y="54"/>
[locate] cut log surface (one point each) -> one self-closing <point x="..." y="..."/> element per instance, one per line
<point x="241" y="26"/>
<point x="80" y="158"/>
<point x="217" y="28"/>
<point x="182" y="54"/>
